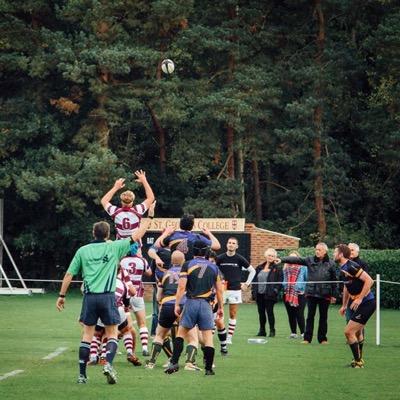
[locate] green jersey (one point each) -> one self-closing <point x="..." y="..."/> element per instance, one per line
<point x="98" y="264"/>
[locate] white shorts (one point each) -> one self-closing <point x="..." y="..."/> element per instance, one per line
<point x="137" y="304"/>
<point x="122" y="317"/>
<point x="233" y="296"/>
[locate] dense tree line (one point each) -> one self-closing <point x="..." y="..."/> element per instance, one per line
<point x="284" y="112"/>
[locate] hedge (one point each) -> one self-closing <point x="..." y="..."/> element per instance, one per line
<point x="383" y="262"/>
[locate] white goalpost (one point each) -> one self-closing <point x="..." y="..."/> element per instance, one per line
<point x="9" y="289"/>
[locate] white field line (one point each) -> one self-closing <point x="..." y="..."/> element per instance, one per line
<point x="9" y="374"/>
<point x="55" y="353"/>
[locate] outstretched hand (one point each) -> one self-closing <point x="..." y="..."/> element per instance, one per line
<point x="140" y="176"/>
<point x="119" y="183"/>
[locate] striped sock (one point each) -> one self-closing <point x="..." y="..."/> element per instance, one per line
<point x="94" y="347"/>
<point x="128" y="343"/>
<point x="232" y="327"/>
<point x="222" y="338"/>
<point x="103" y="347"/>
<point x="84" y="351"/>
<point x="111" y="350"/>
<point x="144" y="337"/>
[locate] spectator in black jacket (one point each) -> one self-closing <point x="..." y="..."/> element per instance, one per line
<point x="320" y="268"/>
<point x="266" y="295"/>
<point x="354" y="256"/>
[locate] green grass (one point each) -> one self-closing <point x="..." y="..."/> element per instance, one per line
<point x="31" y="328"/>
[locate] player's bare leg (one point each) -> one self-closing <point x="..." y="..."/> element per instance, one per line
<point x="233" y="310"/>
<point x="352" y="332"/>
<point x="143" y="331"/>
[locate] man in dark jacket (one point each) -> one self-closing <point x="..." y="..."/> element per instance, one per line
<point x="320" y="268"/>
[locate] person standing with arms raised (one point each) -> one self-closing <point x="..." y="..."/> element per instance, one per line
<point x="231" y="264"/>
<point x="127" y="217"/>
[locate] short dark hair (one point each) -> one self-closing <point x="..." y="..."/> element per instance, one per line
<point x="101" y="230"/>
<point x="233" y="238"/>
<point x="186" y="223"/>
<point x="200" y="249"/>
<point x="344" y="249"/>
<point x="211" y="254"/>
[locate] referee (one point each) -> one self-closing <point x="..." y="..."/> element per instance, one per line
<point x="98" y="263"/>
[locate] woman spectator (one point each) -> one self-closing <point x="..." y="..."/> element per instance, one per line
<point x="268" y="281"/>
<point x="294" y="278"/>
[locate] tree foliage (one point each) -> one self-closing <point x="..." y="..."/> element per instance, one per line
<point x="231" y="133"/>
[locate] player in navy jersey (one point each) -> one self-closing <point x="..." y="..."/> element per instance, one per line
<point x="166" y="296"/>
<point x="127" y="217"/>
<point x="357" y="296"/>
<point x="198" y="277"/>
<point x="183" y="240"/>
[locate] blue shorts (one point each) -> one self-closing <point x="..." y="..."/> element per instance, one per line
<point x="99" y="305"/>
<point x="197" y="312"/>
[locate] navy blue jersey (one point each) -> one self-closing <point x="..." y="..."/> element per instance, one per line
<point x="201" y="275"/>
<point x="169" y="284"/>
<point x="183" y="241"/>
<point x="353" y="283"/>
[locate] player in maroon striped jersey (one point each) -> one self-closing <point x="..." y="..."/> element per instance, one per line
<point x="136" y="266"/>
<point x="127" y="217"/>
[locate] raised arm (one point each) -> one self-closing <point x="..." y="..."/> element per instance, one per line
<point x="215" y="244"/>
<point x="144" y="225"/>
<point x="293" y="260"/>
<point x="106" y="199"/>
<point x="141" y="178"/>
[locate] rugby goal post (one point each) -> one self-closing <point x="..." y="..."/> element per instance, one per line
<point x="9" y="289"/>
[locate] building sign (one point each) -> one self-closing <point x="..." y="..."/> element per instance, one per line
<point x="213" y="224"/>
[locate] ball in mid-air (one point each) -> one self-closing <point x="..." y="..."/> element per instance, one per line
<point x="167" y="66"/>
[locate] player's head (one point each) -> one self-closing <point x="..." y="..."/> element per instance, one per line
<point x="321" y="250"/>
<point x="200" y="249"/>
<point x="354" y="250"/>
<point x="211" y="256"/>
<point x="341" y="252"/>
<point x="186" y="223"/>
<point x="232" y="244"/>
<point x="177" y="258"/>
<point x="101" y="230"/>
<point x="127" y="198"/>
<point x="165" y="255"/>
<point x="133" y="249"/>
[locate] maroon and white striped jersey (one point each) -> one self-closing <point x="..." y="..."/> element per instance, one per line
<point x="123" y="283"/>
<point x="126" y="219"/>
<point x="135" y="267"/>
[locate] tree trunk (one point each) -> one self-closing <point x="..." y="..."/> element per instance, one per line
<point x="257" y="192"/>
<point x="231" y="157"/>
<point x="318" y="114"/>
<point x="241" y="178"/>
<point x="161" y="139"/>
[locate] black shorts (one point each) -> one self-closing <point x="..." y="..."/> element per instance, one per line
<point x="167" y="317"/>
<point x="363" y="312"/>
<point x="99" y="305"/>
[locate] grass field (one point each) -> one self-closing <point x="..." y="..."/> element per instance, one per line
<point x="31" y="328"/>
